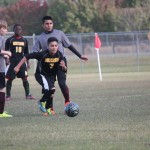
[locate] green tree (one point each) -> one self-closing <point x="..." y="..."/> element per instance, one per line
<point x="132" y="3"/>
<point x="130" y="19"/>
<point x="7" y="2"/>
<point x="75" y="16"/>
<point x="27" y="13"/>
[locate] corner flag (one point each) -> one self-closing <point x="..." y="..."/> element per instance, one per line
<point x="97" y="41"/>
<point x="98" y="44"/>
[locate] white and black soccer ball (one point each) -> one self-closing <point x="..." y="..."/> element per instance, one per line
<point x="72" y="109"/>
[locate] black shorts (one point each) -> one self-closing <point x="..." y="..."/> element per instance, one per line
<point x="10" y="74"/>
<point x="47" y="82"/>
<point x="2" y="80"/>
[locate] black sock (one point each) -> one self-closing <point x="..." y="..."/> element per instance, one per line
<point x="8" y="88"/>
<point x="49" y="103"/>
<point x="2" y="102"/>
<point x="26" y="87"/>
<point x="65" y="92"/>
<point x="43" y="99"/>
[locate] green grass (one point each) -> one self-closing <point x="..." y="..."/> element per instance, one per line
<point x="110" y="64"/>
<point x="114" y="115"/>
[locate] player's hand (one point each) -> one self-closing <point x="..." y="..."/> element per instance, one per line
<point x="6" y="56"/>
<point x="16" y="69"/>
<point x="62" y="64"/>
<point x="83" y="57"/>
<point x="8" y="53"/>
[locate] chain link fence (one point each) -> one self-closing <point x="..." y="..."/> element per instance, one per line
<point x="120" y="52"/>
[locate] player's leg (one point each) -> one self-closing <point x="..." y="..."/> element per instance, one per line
<point x="8" y="89"/>
<point x="49" y="103"/>
<point x="10" y="76"/>
<point x="27" y="88"/>
<point x="61" y="77"/>
<point x="23" y="74"/>
<point x="2" y="96"/>
<point x="47" y="83"/>
<point x="42" y="80"/>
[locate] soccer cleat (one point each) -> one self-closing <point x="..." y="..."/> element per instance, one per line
<point x="66" y="103"/>
<point x="8" y="98"/>
<point x="50" y="111"/>
<point x="45" y="114"/>
<point x="30" y="97"/>
<point x="5" y="115"/>
<point x="41" y="106"/>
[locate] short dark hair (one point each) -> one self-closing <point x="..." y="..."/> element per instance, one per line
<point x="46" y="18"/>
<point x="16" y="25"/>
<point x="52" y="39"/>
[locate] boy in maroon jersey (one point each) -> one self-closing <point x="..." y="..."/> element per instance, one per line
<point x="18" y="46"/>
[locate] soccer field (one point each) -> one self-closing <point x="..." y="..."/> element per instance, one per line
<point x="114" y="115"/>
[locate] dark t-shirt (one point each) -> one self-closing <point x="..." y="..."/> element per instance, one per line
<point x="18" y="47"/>
<point x="47" y="64"/>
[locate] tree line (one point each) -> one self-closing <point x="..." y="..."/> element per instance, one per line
<point x="78" y="16"/>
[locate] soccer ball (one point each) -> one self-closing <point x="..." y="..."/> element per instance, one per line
<point x="72" y="109"/>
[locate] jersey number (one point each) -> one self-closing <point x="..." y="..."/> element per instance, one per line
<point x="18" y="49"/>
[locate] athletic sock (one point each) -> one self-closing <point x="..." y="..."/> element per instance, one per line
<point x="26" y="87"/>
<point x="2" y="102"/>
<point x="43" y="99"/>
<point x="65" y="92"/>
<point x="8" y="88"/>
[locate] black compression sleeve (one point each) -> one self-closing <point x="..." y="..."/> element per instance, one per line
<point x="72" y="48"/>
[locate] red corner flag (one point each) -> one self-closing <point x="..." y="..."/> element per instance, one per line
<point x="97" y="46"/>
<point x="97" y="41"/>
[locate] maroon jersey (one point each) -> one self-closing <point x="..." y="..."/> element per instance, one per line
<point x="18" y="47"/>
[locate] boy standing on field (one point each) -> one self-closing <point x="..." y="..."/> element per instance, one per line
<point x="18" y="46"/>
<point x="48" y="63"/>
<point x="3" y="31"/>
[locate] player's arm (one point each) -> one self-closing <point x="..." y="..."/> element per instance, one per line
<point x="7" y="53"/>
<point x="72" y="48"/>
<point x="66" y="43"/>
<point x="7" y="47"/>
<point x="17" y="68"/>
<point x="62" y="62"/>
<point x="63" y="65"/>
<point x="35" y="55"/>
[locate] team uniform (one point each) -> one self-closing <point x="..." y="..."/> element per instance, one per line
<point x="18" y="48"/>
<point x="63" y="42"/>
<point x="46" y="71"/>
<point x="2" y="63"/>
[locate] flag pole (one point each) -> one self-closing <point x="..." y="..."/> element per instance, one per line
<point x="97" y="46"/>
<point x="99" y="64"/>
